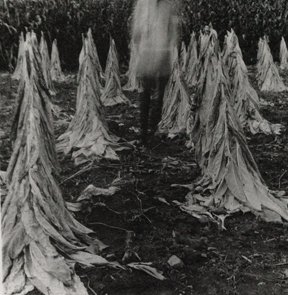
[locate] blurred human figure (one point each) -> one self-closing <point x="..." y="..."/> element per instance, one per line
<point x="154" y="33"/>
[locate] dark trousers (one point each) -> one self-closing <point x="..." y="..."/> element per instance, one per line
<point x="155" y="87"/>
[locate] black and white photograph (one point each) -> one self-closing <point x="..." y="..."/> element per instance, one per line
<point x="144" y="147"/>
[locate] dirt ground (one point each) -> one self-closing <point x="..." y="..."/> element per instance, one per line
<point x="249" y="258"/>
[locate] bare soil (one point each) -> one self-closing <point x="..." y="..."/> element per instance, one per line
<point x="249" y="258"/>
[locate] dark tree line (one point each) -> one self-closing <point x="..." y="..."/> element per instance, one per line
<point x="67" y="19"/>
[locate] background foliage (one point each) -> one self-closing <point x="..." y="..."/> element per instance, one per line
<point x="67" y="19"/>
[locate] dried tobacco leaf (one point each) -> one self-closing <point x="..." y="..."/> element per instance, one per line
<point x="244" y="96"/>
<point x="112" y="93"/>
<point x="283" y="55"/>
<point x="267" y="72"/>
<point x="41" y="240"/>
<point x="88" y="135"/>
<point x="230" y="178"/>
<point x="56" y="70"/>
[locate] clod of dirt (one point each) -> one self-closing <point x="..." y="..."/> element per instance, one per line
<point x="175" y="262"/>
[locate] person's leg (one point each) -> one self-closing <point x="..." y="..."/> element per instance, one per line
<point x="144" y="108"/>
<point x="157" y="110"/>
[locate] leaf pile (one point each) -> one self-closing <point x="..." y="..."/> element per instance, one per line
<point x="17" y="72"/>
<point x="46" y="64"/>
<point x="86" y="51"/>
<point x="230" y="178"/>
<point x="176" y="112"/>
<point x="112" y="58"/>
<point x="205" y="40"/>
<point x="41" y="240"/>
<point x="244" y="96"/>
<point x="82" y="54"/>
<point x="267" y="72"/>
<point x="112" y="93"/>
<point x="37" y="61"/>
<point x="192" y="62"/>
<point x="94" y="55"/>
<point x="283" y="55"/>
<point x="56" y="70"/>
<point x="88" y="132"/>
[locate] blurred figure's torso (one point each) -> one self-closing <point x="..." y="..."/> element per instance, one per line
<point x="155" y="36"/>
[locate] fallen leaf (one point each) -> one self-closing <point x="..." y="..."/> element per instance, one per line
<point x="188" y="186"/>
<point x="148" y="269"/>
<point x="247" y="259"/>
<point x="92" y="191"/>
<point x="163" y="200"/>
<point x="74" y="207"/>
